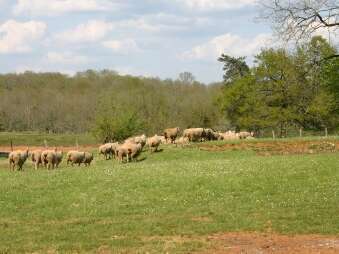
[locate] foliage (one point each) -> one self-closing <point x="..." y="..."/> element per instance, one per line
<point x="285" y="89"/>
<point x="56" y="103"/>
<point x="233" y="67"/>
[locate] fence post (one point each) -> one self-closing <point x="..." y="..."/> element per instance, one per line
<point x="273" y="134"/>
<point x="301" y="132"/>
<point x="326" y="132"/>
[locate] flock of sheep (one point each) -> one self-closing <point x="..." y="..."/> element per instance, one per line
<point x="127" y="151"/>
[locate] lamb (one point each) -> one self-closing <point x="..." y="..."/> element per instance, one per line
<point x="36" y="158"/>
<point x="75" y="157"/>
<point x="153" y="143"/>
<point x="171" y="134"/>
<point x="88" y="159"/>
<point x="17" y="159"/>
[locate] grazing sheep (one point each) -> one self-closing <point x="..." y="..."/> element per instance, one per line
<point x="153" y="143"/>
<point x="134" y="151"/>
<point x="75" y="157"/>
<point x="36" y="158"/>
<point x="194" y="134"/>
<point x="17" y="159"/>
<point x="171" y="134"/>
<point x="210" y="134"/>
<point x="88" y="159"/>
<point x="245" y="134"/>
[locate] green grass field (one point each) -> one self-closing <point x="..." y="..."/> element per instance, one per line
<point x="143" y="207"/>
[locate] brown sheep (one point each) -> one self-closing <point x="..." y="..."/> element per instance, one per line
<point x="17" y="159"/>
<point x="153" y="143"/>
<point x="171" y="134"/>
<point x="75" y="157"/>
<point x="88" y="159"/>
<point x="194" y="134"/>
<point x="36" y="158"/>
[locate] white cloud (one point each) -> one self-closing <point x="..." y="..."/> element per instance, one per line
<point x="57" y="7"/>
<point x="230" y="44"/>
<point x="122" y="46"/>
<point x="92" y="31"/>
<point x="17" y="37"/>
<point x="66" y="58"/>
<point x="207" y="5"/>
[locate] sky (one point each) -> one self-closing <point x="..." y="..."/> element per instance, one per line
<point x="157" y="38"/>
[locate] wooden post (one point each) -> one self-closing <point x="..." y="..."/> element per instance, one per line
<point x="326" y="132"/>
<point x="301" y="132"/>
<point x="273" y="134"/>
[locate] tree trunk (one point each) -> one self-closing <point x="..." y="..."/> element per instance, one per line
<point x="273" y="134"/>
<point x="326" y="132"/>
<point x="301" y="132"/>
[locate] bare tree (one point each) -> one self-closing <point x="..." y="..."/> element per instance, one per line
<point x="300" y="19"/>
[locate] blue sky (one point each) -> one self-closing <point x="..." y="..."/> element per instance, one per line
<point x="140" y="37"/>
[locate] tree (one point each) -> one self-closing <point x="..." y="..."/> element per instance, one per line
<point x="233" y="67"/>
<point x="302" y="19"/>
<point x="186" y="78"/>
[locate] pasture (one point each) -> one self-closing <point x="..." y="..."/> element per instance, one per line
<point x="170" y="201"/>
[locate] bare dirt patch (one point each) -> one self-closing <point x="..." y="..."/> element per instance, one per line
<point x="278" y="147"/>
<point x="249" y="243"/>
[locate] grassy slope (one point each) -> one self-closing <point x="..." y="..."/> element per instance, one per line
<point x="136" y="207"/>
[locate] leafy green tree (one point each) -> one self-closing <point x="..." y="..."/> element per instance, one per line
<point x="234" y="68"/>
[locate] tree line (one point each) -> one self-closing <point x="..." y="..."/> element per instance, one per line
<point x="286" y="88"/>
<point x="105" y="103"/>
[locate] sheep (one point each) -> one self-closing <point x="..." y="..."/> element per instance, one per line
<point x="137" y="140"/>
<point x="17" y="159"/>
<point x="194" y="134"/>
<point x="59" y="156"/>
<point x="49" y="158"/>
<point x="153" y="143"/>
<point x="182" y="141"/>
<point x="229" y="135"/>
<point x="75" y="157"/>
<point x="134" y="151"/>
<point x="36" y="158"/>
<point x="106" y="150"/>
<point x="88" y="158"/>
<point x="121" y="152"/>
<point x="245" y="134"/>
<point x="210" y="134"/>
<point x="130" y="150"/>
<point x="171" y="134"/>
<point x="163" y="139"/>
